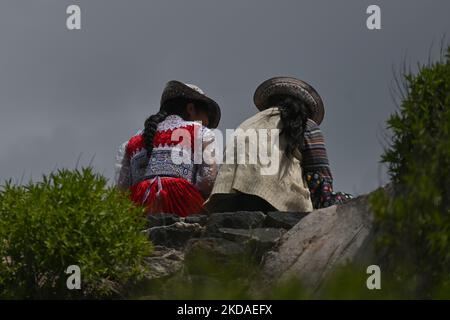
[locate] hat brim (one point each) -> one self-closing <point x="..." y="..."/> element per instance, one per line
<point x="176" y="89"/>
<point x="292" y="87"/>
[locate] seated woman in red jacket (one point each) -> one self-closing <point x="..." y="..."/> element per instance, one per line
<point x="145" y="163"/>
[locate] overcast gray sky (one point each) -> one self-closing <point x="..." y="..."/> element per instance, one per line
<point x="65" y="93"/>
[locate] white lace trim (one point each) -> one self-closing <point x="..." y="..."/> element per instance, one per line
<point x="173" y="122"/>
<point x="168" y="148"/>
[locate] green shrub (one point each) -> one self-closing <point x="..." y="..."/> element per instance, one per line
<point x="70" y="218"/>
<point x="414" y="221"/>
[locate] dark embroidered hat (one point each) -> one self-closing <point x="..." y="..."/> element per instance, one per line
<point x="292" y="87"/>
<point x="177" y="89"/>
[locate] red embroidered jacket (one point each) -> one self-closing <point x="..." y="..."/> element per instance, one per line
<point x="177" y="152"/>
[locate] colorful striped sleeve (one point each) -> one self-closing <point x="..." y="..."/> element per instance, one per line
<point x="315" y="165"/>
<point x="316" y="169"/>
<point x="314" y="153"/>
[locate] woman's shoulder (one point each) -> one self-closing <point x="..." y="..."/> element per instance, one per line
<point x="173" y="122"/>
<point x="311" y="123"/>
<point x="262" y="117"/>
<point x="311" y="126"/>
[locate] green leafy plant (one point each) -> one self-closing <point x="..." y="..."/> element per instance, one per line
<point x="69" y="218"/>
<point x="414" y="219"/>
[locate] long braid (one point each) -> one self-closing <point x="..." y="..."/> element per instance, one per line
<point x="150" y="126"/>
<point x="294" y="115"/>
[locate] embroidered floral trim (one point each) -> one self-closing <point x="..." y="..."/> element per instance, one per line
<point x="135" y="165"/>
<point x="166" y="138"/>
<point x="322" y="194"/>
<point x="161" y="164"/>
<point x="174" y="121"/>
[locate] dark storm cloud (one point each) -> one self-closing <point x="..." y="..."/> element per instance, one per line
<point x="65" y="93"/>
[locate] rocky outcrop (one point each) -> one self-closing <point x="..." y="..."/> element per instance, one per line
<point x="234" y="220"/>
<point x="175" y="235"/>
<point x="164" y="262"/>
<point x="222" y="236"/>
<point x="322" y="241"/>
<point x="285" y="220"/>
<point x="285" y="244"/>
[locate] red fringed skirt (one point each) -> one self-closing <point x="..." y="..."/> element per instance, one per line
<point x="168" y="195"/>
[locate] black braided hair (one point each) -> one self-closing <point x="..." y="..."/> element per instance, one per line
<point x="173" y="106"/>
<point x="294" y="115"/>
<point x="151" y="123"/>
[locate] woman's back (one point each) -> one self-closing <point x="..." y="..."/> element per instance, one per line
<point x="279" y="182"/>
<point x="151" y="178"/>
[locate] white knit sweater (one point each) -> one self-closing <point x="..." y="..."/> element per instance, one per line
<point x="285" y="190"/>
